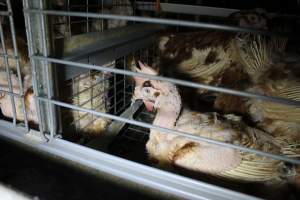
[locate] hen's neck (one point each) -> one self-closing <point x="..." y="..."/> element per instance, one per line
<point x="169" y="111"/>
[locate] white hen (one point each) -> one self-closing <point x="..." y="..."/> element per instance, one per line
<point x="170" y="149"/>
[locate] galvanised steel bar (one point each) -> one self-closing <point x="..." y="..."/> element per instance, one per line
<point x="16" y="55"/>
<point x="158" y="21"/>
<point x="8" y="76"/>
<point x="49" y="82"/>
<point x="175" y="81"/>
<point x="5" y="13"/>
<point x="31" y="47"/>
<point x="11" y="93"/>
<point x="171" y="131"/>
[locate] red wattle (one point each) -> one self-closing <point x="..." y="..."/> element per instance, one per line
<point x="149" y="105"/>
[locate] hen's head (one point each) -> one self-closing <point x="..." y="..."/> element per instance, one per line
<point x="256" y="18"/>
<point x="154" y="93"/>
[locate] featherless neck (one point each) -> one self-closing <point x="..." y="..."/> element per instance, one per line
<point x="168" y="110"/>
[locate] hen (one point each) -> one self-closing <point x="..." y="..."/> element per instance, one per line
<point x="64" y="27"/>
<point x="173" y="150"/>
<point x="9" y="49"/>
<point x="124" y="8"/>
<point x="270" y="77"/>
<point x="5" y="99"/>
<point x="211" y="57"/>
<point x="90" y="92"/>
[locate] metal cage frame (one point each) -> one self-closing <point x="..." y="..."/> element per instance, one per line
<point x="42" y="61"/>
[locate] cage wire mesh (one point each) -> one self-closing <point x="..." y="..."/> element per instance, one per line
<point x="116" y="99"/>
<point x="67" y="26"/>
<point x="14" y="64"/>
<point x="106" y="90"/>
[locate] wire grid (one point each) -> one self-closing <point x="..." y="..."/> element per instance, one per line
<point x="103" y="92"/>
<point x="132" y="133"/>
<point x="12" y="100"/>
<point x="68" y="26"/>
<point x="130" y="142"/>
<point x="185" y="83"/>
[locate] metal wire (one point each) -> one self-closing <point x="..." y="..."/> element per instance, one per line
<point x="11" y="93"/>
<point x="90" y="102"/>
<point x="16" y="55"/>
<point x="158" y="21"/>
<point x="47" y="72"/>
<point x="175" y="81"/>
<point x="8" y="76"/>
<point x="171" y="131"/>
<point x="31" y="50"/>
<point x="5" y="13"/>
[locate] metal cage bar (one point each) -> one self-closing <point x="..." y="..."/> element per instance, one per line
<point x="45" y="60"/>
<point x="46" y="67"/>
<point x="16" y="55"/>
<point x="156" y="179"/>
<point x="8" y="77"/>
<point x="171" y="131"/>
<point x="31" y="50"/>
<point x="175" y="81"/>
<point x="172" y="22"/>
<point x="185" y="83"/>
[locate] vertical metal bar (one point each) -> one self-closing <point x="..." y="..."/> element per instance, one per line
<point x="134" y="9"/>
<point x="78" y="102"/>
<point x="87" y="18"/>
<point x="8" y="76"/>
<point x="115" y="93"/>
<point x="46" y="67"/>
<point x="91" y="92"/>
<point x="124" y="82"/>
<point x="33" y="62"/>
<point x="74" y="112"/>
<point x="69" y="20"/>
<point x="177" y="27"/>
<point x="16" y="55"/>
<point x="102" y="20"/>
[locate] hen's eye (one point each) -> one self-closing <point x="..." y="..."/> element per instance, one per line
<point x="147" y="90"/>
<point x="147" y="84"/>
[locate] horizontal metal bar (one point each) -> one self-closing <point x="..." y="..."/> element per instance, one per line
<point x="81" y="21"/>
<point x="171" y="131"/>
<point x="11" y="193"/>
<point x="8" y="73"/>
<point x="99" y="105"/>
<point x="16" y="55"/>
<point x="116" y="104"/>
<point x="87" y="159"/>
<point x="153" y="21"/>
<point x="198" y="10"/>
<point x="8" y="56"/>
<point x="187" y="9"/>
<point x="138" y="130"/>
<point x="84" y="6"/>
<point x="12" y="93"/>
<point x="176" y="81"/>
<point x="116" y="94"/>
<point x="5" y="13"/>
<point x="103" y="47"/>
<point x="92" y="86"/>
<point x="147" y="114"/>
